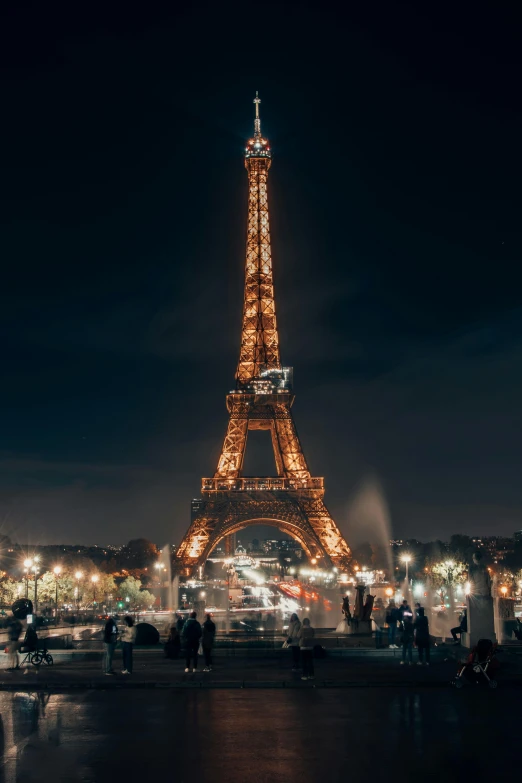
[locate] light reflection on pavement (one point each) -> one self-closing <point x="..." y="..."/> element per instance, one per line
<point x="267" y="735"/>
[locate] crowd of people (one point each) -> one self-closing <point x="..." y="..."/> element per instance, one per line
<point x="412" y="629"/>
<point x="409" y="628"/>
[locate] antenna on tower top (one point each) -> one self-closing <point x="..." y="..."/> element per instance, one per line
<point x="257" y="121"/>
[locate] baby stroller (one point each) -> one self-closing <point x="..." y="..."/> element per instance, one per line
<point x="480" y="665"/>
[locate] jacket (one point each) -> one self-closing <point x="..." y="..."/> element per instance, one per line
<point x="306" y="637"/>
<point x="192" y="630"/>
<point x="392" y="615"/>
<point x="129" y="634"/>
<point x="110" y="634"/>
<point x="293" y="631"/>
<point x="208" y="634"/>
<point x="422" y="631"/>
<point x="407" y="633"/>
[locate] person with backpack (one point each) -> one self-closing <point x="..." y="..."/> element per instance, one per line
<point x="207" y="641"/>
<point x="192" y="634"/>
<point x="422" y="637"/>
<point x="128" y="640"/>
<point x="305" y="636"/>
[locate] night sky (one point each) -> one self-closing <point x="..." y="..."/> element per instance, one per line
<point x="395" y="216"/>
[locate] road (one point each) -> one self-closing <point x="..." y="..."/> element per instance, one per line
<point x="236" y="736"/>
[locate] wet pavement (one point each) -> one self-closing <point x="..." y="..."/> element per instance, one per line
<point x="279" y="736"/>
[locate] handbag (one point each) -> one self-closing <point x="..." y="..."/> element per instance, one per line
<point x="285" y="644"/>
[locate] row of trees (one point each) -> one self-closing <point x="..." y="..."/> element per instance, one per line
<point x="84" y="591"/>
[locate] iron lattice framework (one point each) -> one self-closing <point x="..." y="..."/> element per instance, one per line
<point x="262" y="400"/>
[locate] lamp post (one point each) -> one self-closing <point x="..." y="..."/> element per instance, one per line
<point x="94" y="579"/>
<point x="27" y="564"/>
<point x="78" y="575"/>
<point x="406" y="560"/>
<point x="36" y="570"/>
<point x="57" y="570"/>
<point x="158" y="567"/>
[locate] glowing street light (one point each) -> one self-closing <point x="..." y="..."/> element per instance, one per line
<point x="503" y="590"/>
<point x="389" y="592"/>
<point x="94" y="580"/>
<point x="57" y="570"/>
<point x="78" y="575"/>
<point x="407" y="560"/>
<point x="27" y="565"/>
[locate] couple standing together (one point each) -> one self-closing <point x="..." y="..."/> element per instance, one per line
<point x="301" y="641"/>
<point x="194" y="634"/>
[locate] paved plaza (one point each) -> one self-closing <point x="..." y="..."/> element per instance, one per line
<point x="270" y="736"/>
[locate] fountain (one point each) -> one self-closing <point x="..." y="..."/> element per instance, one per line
<point x="172" y="584"/>
<point x="368" y="516"/>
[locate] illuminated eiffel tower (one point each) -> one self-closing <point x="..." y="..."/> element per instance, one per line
<point x="292" y="500"/>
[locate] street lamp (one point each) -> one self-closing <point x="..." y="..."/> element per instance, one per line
<point x="27" y="564"/>
<point x="36" y="569"/>
<point x="78" y="575"/>
<point x="94" y="579"/>
<point x="503" y="590"/>
<point x="57" y="570"/>
<point x="406" y="559"/>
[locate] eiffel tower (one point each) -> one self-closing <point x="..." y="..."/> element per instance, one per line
<point x="292" y="500"/>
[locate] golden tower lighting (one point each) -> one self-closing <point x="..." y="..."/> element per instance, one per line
<point x="292" y="499"/>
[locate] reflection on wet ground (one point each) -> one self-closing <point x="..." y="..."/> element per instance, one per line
<point x="272" y="735"/>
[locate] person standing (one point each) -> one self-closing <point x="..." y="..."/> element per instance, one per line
<point x="173" y="643"/>
<point x="422" y="637"/>
<point x="293" y="640"/>
<point x="407" y="637"/>
<point x="392" y="616"/>
<point x="128" y="640"/>
<point x="14" y="629"/>
<point x="207" y="641"/>
<point x="305" y="636"/>
<point x="192" y="634"/>
<point x="110" y="640"/>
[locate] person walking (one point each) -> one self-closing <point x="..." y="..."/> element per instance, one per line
<point x="128" y="640"/>
<point x="407" y="637"/>
<point x="392" y="617"/>
<point x="192" y="634"/>
<point x="305" y="636"/>
<point x="422" y="637"/>
<point x="110" y="640"/>
<point x="14" y="629"/>
<point x="293" y="640"/>
<point x="207" y="641"/>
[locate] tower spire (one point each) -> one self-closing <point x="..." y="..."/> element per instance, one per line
<point x="257" y="121"/>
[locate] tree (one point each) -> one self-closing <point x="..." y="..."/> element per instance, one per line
<point x="99" y="590"/>
<point x="449" y="572"/>
<point x="461" y="547"/>
<point x="138" y="599"/>
<point x="9" y="591"/>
